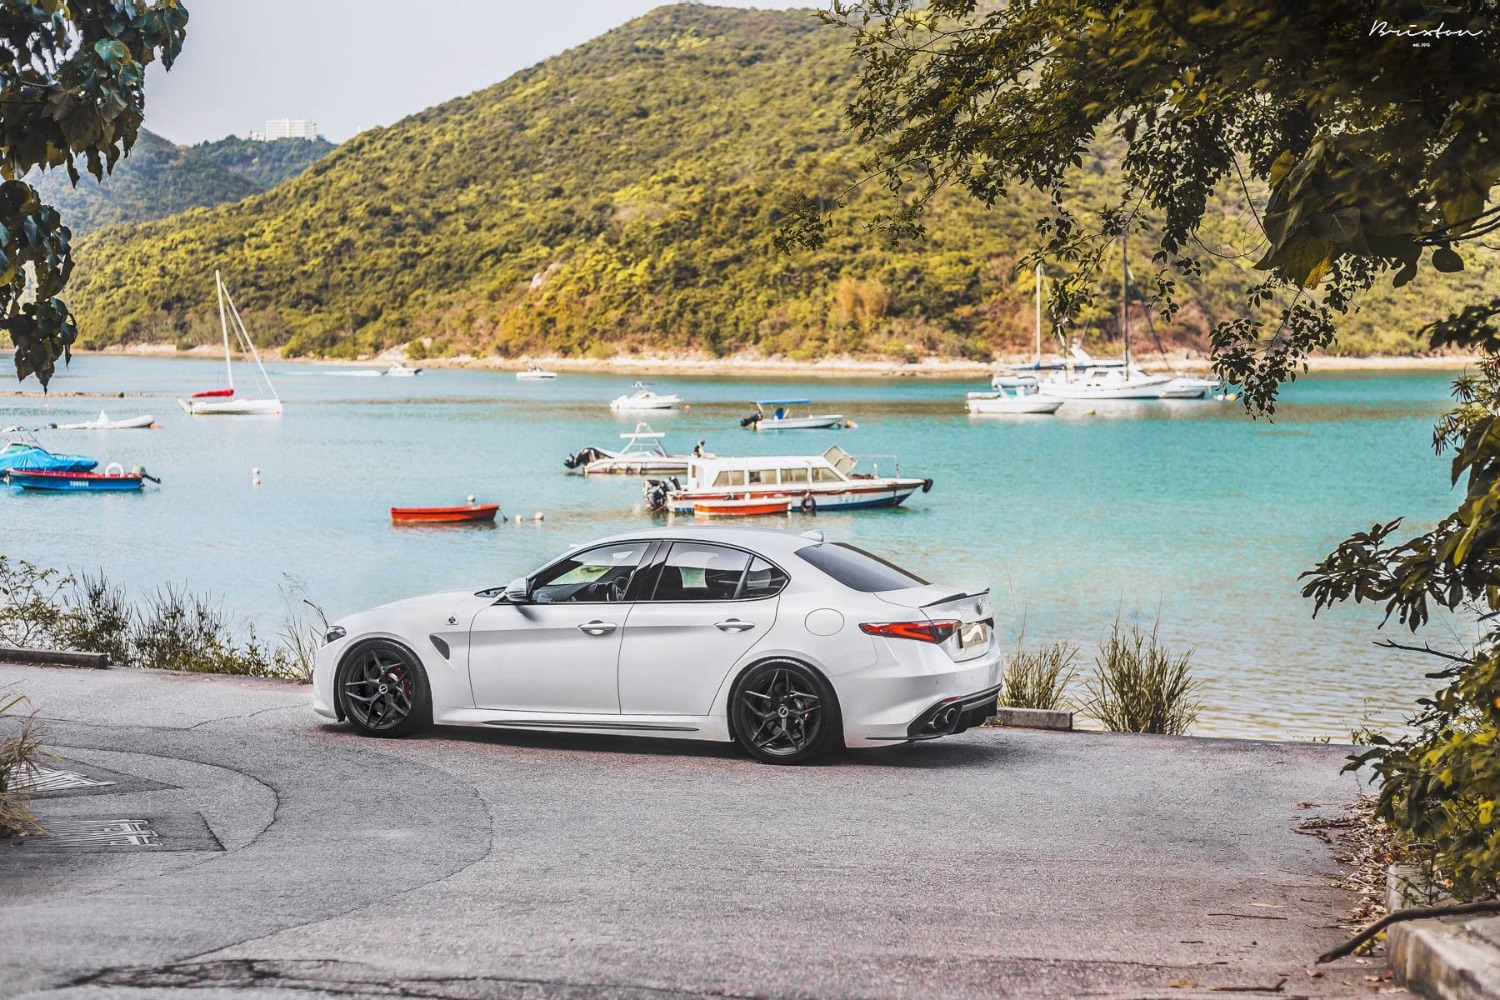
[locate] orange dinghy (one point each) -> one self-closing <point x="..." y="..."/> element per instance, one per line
<point x="741" y="506"/>
<point x="465" y="514"/>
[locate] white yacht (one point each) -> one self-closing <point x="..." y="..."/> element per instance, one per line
<point x="535" y="373"/>
<point x="224" y="401"/>
<point x="1022" y="396"/>
<point x="811" y="482"/>
<point x="644" y="398"/>
<point x="643" y="455"/>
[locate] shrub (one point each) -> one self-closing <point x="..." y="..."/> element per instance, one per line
<point x="303" y="628"/>
<point x="1038" y="679"/>
<point x="19" y="753"/>
<point x="98" y="617"/>
<point x="30" y="612"/>
<point x="1140" y="687"/>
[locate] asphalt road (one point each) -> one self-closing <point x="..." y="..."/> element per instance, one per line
<point x="294" y="859"/>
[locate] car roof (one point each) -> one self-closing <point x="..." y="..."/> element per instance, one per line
<point x="767" y="540"/>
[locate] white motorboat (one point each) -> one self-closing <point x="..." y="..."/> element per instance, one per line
<point x="224" y="402"/>
<point x="643" y="455"/>
<point x="1021" y="398"/>
<point x="1190" y="387"/>
<point x="644" y="398"/>
<point x="399" y="370"/>
<point x="103" y="423"/>
<point x="782" y="418"/>
<point x="812" y="483"/>
<point x="535" y="372"/>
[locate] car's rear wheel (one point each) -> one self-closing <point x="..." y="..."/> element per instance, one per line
<point x="784" y="712"/>
<point x="384" y="689"/>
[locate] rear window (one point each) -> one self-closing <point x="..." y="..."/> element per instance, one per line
<point x="858" y="569"/>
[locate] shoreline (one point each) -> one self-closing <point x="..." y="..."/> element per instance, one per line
<point x="750" y="365"/>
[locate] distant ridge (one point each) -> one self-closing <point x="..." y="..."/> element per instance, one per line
<point x="618" y="198"/>
<point x="160" y="178"/>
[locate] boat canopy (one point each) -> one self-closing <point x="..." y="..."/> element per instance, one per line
<point x="783" y="402"/>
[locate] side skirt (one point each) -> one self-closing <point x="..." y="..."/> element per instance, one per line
<point x="682" y="727"/>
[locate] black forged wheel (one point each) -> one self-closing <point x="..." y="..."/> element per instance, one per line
<point x="783" y="712"/>
<point x="384" y="689"/>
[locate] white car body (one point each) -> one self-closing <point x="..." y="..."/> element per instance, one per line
<point x="666" y="668"/>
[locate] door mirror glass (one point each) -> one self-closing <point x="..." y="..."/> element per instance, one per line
<point x="518" y="591"/>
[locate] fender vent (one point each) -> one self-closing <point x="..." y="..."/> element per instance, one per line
<point x="439" y="645"/>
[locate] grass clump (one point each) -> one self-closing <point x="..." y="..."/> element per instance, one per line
<point x="1139" y="686"/>
<point x="20" y="753"/>
<point x="1038" y="678"/>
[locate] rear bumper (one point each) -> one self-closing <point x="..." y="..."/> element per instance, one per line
<point x="900" y="702"/>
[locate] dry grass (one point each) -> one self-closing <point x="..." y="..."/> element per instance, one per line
<point x="1040" y="678"/>
<point x="19" y="752"/>
<point x="1139" y="686"/>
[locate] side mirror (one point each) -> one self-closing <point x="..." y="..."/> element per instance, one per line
<point x="518" y="591"/>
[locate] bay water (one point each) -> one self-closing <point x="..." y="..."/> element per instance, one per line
<point x="1189" y="513"/>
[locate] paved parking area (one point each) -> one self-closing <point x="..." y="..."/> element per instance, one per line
<point x="295" y="859"/>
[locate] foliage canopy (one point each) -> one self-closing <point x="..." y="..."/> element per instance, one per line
<point x="71" y="78"/>
<point x="1377" y="147"/>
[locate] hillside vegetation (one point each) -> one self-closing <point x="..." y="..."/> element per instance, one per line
<point x="619" y="198"/>
<point x="160" y="178"/>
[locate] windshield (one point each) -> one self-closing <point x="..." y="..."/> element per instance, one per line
<point x="858" y="569"/>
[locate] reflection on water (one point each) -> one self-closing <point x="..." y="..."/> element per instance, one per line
<point x="1186" y="508"/>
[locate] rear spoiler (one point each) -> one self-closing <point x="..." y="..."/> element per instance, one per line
<point x="957" y="597"/>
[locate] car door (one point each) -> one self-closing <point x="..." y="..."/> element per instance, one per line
<point x="709" y="605"/>
<point x="558" y="651"/>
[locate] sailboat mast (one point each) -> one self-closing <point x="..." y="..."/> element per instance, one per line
<point x="1037" y="360"/>
<point x="1125" y="302"/>
<point x="223" y="326"/>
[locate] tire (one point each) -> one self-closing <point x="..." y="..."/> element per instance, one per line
<point x="383" y="689"/>
<point x="784" y="712"/>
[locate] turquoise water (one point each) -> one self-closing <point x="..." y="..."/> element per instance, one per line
<point x="1190" y="509"/>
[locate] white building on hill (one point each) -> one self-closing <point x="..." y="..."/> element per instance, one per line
<point x="287" y="128"/>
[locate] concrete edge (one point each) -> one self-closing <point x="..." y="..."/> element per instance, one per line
<point x="53" y="657"/>
<point x="1034" y="718"/>
<point x="1445" y="959"/>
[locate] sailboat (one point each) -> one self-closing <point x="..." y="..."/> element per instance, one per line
<point x="1124" y="381"/>
<point x="214" y="402"/>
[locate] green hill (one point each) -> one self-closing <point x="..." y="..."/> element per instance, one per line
<point x="621" y="197"/>
<point x="160" y="178"/>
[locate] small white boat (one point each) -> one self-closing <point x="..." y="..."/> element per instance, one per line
<point x="643" y="455"/>
<point x="103" y="423"/>
<point x="399" y="370"/>
<point x="223" y="401"/>
<point x="644" y="398"/>
<point x="1020" y="398"/>
<point x="782" y="418"/>
<point x="535" y="372"/>
<point x="1190" y="387"/>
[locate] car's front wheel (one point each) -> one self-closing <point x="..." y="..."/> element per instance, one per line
<point x="384" y="689"/>
<point x="784" y="712"/>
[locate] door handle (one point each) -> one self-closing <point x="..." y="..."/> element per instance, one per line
<point x="734" y="625"/>
<point x="598" y="627"/>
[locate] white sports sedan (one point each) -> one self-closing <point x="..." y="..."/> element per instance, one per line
<point x="787" y="644"/>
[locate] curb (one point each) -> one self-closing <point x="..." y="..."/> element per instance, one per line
<point x="1452" y="959"/>
<point x="1034" y="718"/>
<point x="53" y="657"/>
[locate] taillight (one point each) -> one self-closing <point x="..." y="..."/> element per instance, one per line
<point x="921" y="631"/>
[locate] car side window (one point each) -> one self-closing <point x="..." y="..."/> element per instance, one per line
<point x="762" y="580"/>
<point x="695" y="571"/>
<point x="597" y="575"/>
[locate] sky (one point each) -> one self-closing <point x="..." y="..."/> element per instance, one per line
<point x="350" y="65"/>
